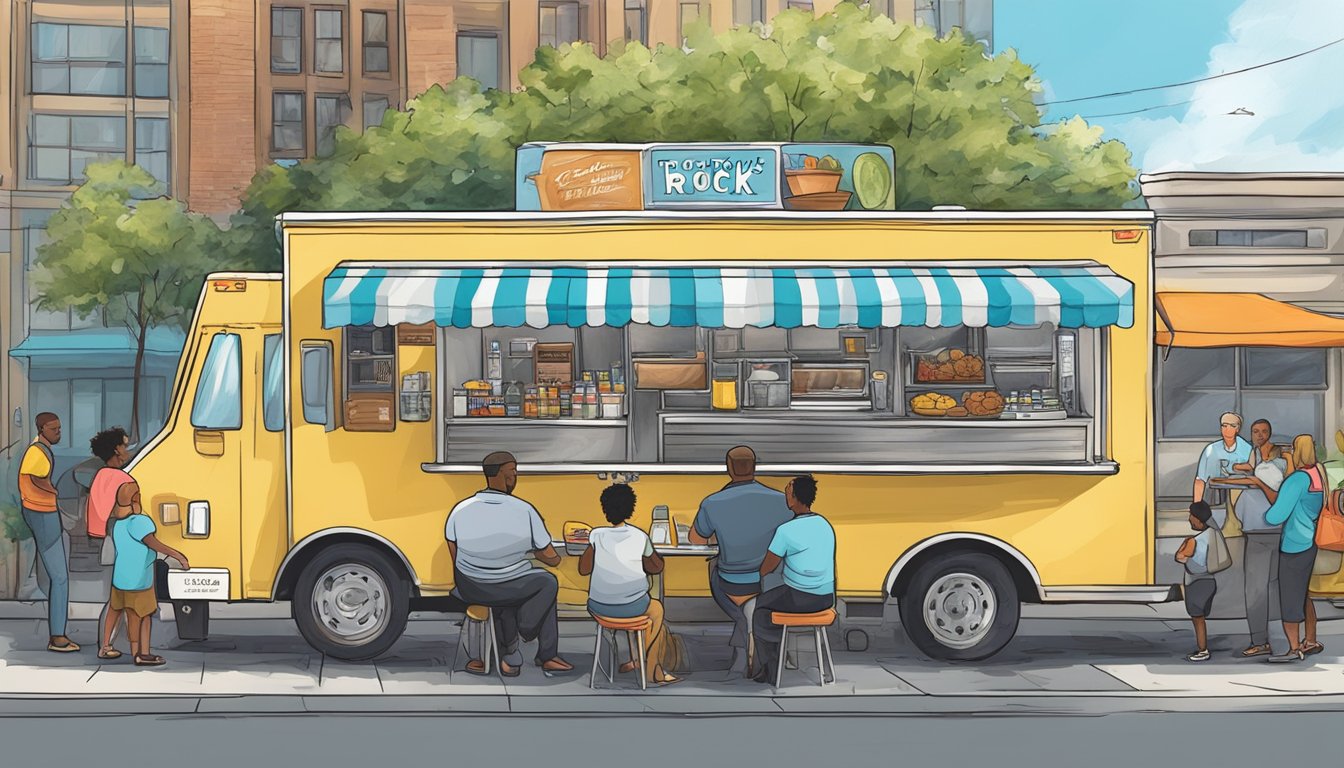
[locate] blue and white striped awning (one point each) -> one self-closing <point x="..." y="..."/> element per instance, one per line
<point x="1068" y="296"/>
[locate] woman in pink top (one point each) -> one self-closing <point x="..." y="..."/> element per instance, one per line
<point x="112" y="487"/>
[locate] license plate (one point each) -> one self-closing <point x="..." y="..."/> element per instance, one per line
<point x="199" y="584"/>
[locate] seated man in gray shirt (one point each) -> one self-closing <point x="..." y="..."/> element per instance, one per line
<point x="742" y="517"/>
<point x="490" y="536"/>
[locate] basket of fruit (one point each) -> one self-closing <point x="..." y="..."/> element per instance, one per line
<point x="813" y="175"/>
<point x="984" y="403"/>
<point x="934" y="404"/>
<point x="953" y="365"/>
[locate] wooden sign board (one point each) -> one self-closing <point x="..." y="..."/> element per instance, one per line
<point x="581" y="180"/>
<point x="415" y="335"/>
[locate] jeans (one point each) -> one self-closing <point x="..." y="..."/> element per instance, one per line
<point x="720" y="589"/>
<point x="47" y="536"/>
<point x="768" y="634"/>
<point x="523" y="606"/>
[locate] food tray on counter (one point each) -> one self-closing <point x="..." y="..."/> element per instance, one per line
<point x="980" y="404"/>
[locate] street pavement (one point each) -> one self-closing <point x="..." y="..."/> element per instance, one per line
<point x="1065" y="659"/>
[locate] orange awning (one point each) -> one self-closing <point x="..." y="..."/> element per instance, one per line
<point x="1202" y="320"/>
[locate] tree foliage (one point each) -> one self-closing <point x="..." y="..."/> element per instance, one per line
<point x="142" y="259"/>
<point x="964" y="125"/>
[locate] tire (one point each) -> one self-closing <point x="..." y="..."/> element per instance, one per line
<point x="976" y="615"/>
<point x="351" y="602"/>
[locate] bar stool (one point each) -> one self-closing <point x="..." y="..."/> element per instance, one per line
<point x="748" y="605"/>
<point x="818" y="621"/>
<point x="482" y="619"/>
<point x="634" y="628"/>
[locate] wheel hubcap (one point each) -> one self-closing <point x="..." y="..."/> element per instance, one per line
<point x="959" y="609"/>
<point x="350" y="603"/>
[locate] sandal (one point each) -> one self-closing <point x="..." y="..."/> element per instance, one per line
<point x="508" y="670"/>
<point x="628" y="666"/>
<point x="69" y="647"/>
<point x="1312" y="647"/>
<point x="1257" y="650"/>
<point x="149" y="660"/>
<point x="476" y="667"/>
<point x="109" y="652"/>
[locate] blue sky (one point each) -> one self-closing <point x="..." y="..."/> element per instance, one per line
<point x="1088" y="47"/>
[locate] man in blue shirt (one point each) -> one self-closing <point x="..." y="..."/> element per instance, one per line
<point x="805" y="546"/>
<point x="742" y="517"/>
<point x="1231" y="449"/>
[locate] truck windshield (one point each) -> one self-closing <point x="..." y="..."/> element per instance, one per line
<point x="219" y="399"/>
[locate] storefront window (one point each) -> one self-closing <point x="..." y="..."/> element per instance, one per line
<point x="1280" y="384"/>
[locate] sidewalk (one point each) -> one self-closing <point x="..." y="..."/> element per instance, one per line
<point x="1066" y="659"/>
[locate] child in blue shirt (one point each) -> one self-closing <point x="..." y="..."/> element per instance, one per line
<point x="133" y="578"/>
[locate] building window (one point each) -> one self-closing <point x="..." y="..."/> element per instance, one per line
<point x="286" y="40"/>
<point x="1258" y="238"/>
<point x="478" y="57"/>
<point x="79" y="59"/>
<point x="287" y="122"/>
<point x="151" y="147"/>
<point x="328" y="54"/>
<point x="800" y="5"/>
<point x="975" y="18"/>
<point x="883" y="8"/>
<point x="1284" y="385"/>
<point x="687" y="14"/>
<point x="375" y="42"/>
<point x="636" y="22"/>
<point x="375" y="106"/>
<point x="61" y="145"/>
<point x="34" y="235"/>
<point x="151" y="62"/>
<point x="559" y="23"/>
<point x="330" y="111"/>
<point x="748" y="12"/>
<point x="87" y="406"/>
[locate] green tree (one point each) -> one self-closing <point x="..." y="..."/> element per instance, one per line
<point x="142" y="259"/>
<point x="965" y="126"/>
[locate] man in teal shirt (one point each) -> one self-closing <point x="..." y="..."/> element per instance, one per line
<point x="805" y="546"/>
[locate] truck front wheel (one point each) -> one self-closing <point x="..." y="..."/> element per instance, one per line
<point x="963" y="607"/>
<point x="351" y="602"/>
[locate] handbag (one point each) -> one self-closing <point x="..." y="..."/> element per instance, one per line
<point x="1219" y="558"/>
<point x="1330" y="523"/>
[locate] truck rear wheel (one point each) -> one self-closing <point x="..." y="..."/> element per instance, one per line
<point x="351" y="602"/>
<point x="963" y="607"/>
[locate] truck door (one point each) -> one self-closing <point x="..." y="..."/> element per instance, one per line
<point x="265" y="534"/>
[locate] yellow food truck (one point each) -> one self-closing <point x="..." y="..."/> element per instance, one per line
<point x="971" y="389"/>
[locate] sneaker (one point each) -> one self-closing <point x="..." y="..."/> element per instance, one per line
<point x="1202" y="655"/>
<point x="1289" y="657"/>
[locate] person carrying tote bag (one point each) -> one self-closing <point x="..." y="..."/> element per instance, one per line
<point x="1297" y="508"/>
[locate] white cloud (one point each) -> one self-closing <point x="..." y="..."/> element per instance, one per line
<point x="1298" y="123"/>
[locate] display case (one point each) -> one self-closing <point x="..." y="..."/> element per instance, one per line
<point x="766" y="383"/>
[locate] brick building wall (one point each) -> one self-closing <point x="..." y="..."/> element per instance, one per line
<point x="223" y="150"/>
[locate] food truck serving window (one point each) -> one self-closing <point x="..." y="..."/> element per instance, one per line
<point x="886" y="366"/>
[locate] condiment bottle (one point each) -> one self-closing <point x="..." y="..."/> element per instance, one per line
<point x="513" y="400"/>
<point x="494" y="369"/>
<point x="566" y="402"/>
<point x="530" y="403"/>
<point x="459" y="403"/>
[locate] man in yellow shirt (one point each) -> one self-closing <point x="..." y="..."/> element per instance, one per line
<point x="38" y="497"/>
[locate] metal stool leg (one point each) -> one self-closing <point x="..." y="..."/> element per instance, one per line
<point x="611" y="672"/>
<point x="749" y="608"/>
<point x="826" y="641"/>
<point x="821" y="658"/>
<point x="643" y="673"/>
<point x="597" y="658"/>
<point x="783" y="643"/>
<point x="493" y="648"/>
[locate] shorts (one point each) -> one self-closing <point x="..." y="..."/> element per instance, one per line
<point x="1199" y="597"/>
<point x="141" y="602"/>
<point x="1294" y="579"/>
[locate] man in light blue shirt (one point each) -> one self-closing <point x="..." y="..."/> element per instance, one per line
<point x="805" y="546"/>
<point x="1231" y="449"/>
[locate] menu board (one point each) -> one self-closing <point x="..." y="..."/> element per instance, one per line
<point x="409" y="335"/>
<point x="582" y="180"/>
<point x="554" y="362"/>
